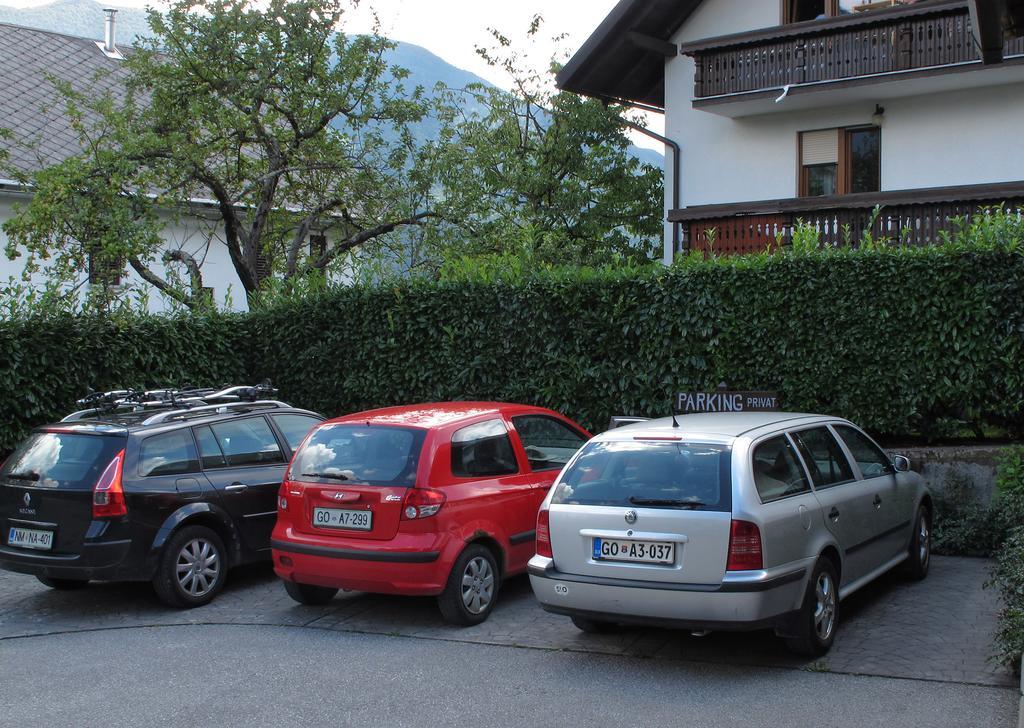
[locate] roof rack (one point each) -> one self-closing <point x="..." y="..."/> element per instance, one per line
<point x="134" y="402"/>
<point x="212" y="409"/>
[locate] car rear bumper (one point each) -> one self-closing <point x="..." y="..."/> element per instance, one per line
<point x="745" y="600"/>
<point x="415" y="568"/>
<point x="102" y="560"/>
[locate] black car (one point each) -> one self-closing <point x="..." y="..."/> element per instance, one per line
<point x="168" y="486"/>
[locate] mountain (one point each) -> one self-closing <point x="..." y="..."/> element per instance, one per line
<point x="85" y="19"/>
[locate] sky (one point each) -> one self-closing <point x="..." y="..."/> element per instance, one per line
<point x="452" y="29"/>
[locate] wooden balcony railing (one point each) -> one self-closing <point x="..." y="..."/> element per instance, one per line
<point x="929" y="35"/>
<point x="905" y="217"/>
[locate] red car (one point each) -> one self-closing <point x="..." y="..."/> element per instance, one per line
<point x="429" y="499"/>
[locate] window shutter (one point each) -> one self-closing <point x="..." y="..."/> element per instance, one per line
<point x="820" y="147"/>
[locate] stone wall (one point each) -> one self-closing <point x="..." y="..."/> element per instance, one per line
<point x="977" y="463"/>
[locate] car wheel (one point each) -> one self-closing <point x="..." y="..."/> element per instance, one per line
<point x="815" y="626"/>
<point x="308" y="594"/>
<point x="920" y="556"/>
<point x="192" y="568"/>
<point x="593" y="626"/>
<point x="472" y="587"/>
<point x="62" y="584"/>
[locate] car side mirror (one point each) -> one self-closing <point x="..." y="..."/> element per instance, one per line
<point x="901" y="463"/>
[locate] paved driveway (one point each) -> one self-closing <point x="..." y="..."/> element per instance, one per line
<point x="279" y="677"/>
<point x="939" y="629"/>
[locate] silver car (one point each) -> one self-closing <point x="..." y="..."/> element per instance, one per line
<point x="728" y="521"/>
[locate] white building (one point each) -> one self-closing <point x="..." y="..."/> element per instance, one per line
<point x="33" y="111"/>
<point x="819" y="110"/>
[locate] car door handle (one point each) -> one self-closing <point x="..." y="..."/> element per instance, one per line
<point x="236" y="487"/>
<point x="877" y="501"/>
<point x="834" y="514"/>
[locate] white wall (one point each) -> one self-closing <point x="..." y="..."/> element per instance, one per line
<point x="710" y="19"/>
<point x="188" y="233"/>
<point x="968" y="136"/>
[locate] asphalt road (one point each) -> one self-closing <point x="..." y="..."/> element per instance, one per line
<point x="231" y="675"/>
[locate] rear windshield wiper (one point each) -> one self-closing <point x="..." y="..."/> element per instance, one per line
<point x="331" y="476"/>
<point x="33" y="477"/>
<point x="688" y="503"/>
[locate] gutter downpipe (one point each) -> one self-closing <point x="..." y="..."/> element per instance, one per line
<point x="676" y="167"/>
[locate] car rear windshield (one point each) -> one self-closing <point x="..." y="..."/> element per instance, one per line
<point x="649" y="475"/>
<point x="60" y="460"/>
<point x="360" y="454"/>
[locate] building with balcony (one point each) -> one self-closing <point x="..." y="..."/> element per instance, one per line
<point x="821" y="111"/>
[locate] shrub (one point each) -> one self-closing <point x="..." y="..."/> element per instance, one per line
<point x="922" y="340"/>
<point x="900" y="340"/>
<point x="49" y="362"/>
<point x="1008" y="575"/>
<point x="963" y="526"/>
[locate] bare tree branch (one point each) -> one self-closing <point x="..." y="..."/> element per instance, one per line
<point x="194" y="274"/>
<point x="159" y="283"/>
<point x="354" y="241"/>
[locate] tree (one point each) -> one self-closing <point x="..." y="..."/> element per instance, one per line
<point x="538" y="172"/>
<point x="283" y="125"/>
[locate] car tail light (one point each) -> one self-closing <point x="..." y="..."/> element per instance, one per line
<point x="421" y="503"/>
<point x="108" y="493"/>
<point x="744" y="547"/>
<point x="544" y="533"/>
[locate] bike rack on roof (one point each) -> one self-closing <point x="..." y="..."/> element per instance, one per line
<point x="133" y="401"/>
<point x="213" y="409"/>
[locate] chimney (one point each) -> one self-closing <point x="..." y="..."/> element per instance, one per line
<point x="109" y="42"/>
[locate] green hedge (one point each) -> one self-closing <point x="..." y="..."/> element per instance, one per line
<point x="48" y="363"/>
<point x="903" y="341"/>
<point x="1008" y="574"/>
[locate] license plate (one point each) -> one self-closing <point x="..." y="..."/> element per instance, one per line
<point x="644" y="552"/>
<point x="343" y="518"/>
<point x="28" y="539"/>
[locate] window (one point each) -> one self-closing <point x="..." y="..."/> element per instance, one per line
<point x="317" y="246"/>
<point x="549" y="443"/>
<point x="60" y="460"/>
<point x="797" y="11"/>
<point x="364" y="454"/>
<point x="819" y="159"/>
<point x="840" y="161"/>
<point x="294" y="427"/>
<point x="103" y="269"/>
<point x="247" y="442"/>
<point x="870" y="458"/>
<point x="777" y="472"/>
<point x="209" y="450"/>
<point x="821" y="180"/>
<point x="649" y="475"/>
<point x="483" y="450"/>
<point x="173" y="453"/>
<point x="823" y="457"/>
<point x="863" y="147"/>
